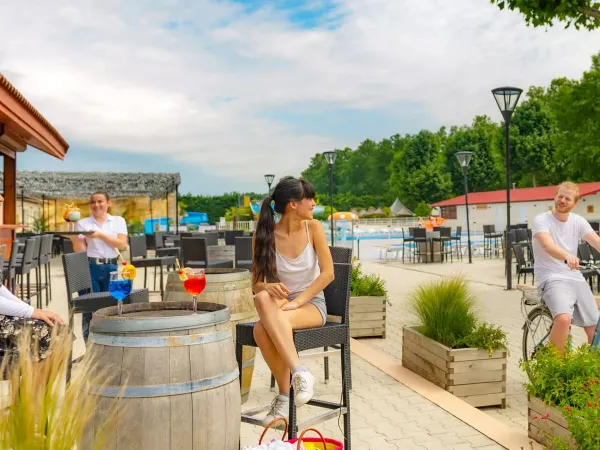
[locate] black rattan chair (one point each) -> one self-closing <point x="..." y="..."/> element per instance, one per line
<point x="9" y="268"/>
<point x="139" y="258"/>
<point x="79" y="281"/>
<point x="230" y="236"/>
<point x="243" y="252"/>
<point x="522" y="266"/>
<point x="490" y="241"/>
<point x="337" y="296"/>
<point x="195" y="254"/>
<point x="445" y="241"/>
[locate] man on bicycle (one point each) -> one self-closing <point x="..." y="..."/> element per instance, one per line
<point x="556" y="237"/>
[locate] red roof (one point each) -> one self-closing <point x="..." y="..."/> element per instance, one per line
<point x="517" y="195"/>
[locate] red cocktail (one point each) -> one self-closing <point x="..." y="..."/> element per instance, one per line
<point x="194" y="282"/>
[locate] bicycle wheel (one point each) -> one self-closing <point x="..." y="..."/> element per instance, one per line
<point x="536" y="331"/>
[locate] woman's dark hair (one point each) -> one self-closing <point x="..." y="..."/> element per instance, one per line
<point x="289" y="189"/>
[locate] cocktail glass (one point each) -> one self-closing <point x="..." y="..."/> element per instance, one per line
<point x="119" y="288"/>
<point x="194" y="284"/>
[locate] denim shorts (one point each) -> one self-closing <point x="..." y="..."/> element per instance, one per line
<point x="318" y="301"/>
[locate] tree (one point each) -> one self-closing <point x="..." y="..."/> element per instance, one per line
<point x="533" y="142"/>
<point x="579" y="13"/>
<point x="574" y="105"/>
<point x="422" y="209"/>
<point x="486" y="168"/>
<point x="418" y="173"/>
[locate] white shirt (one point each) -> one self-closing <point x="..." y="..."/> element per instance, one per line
<point x="13" y="306"/>
<point x="564" y="234"/>
<point x="112" y="226"/>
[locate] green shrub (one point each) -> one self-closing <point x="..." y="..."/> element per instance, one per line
<point x="366" y="285"/>
<point x="487" y="337"/>
<point x="445" y="309"/>
<point x="569" y="382"/>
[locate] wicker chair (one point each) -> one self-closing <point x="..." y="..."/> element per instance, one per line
<point x="195" y="254"/>
<point x="243" y="252"/>
<point x="337" y="296"/>
<point x="79" y="281"/>
<point x="139" y="258"/>
<point x="230" y="236"/>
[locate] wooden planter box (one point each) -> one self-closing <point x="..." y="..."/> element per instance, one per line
<point x="468" y="373"/>
<point x="367" y="316"/>
<point x="544" y="430"/>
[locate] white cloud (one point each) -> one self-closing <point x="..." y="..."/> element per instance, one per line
<point x="195" y="78"/>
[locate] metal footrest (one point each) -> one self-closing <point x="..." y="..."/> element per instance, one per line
<point x="335" y="410"/>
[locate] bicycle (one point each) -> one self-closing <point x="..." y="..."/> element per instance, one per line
<point x="542" y="318"/>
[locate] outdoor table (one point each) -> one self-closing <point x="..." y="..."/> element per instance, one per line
<point x="435" y="248"/>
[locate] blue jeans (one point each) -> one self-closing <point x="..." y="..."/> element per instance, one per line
<point x="100" y="274"/>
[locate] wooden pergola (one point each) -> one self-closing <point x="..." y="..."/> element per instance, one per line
<point x="21" y="125"/>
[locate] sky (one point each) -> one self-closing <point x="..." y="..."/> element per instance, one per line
<point x="225" y="91"/>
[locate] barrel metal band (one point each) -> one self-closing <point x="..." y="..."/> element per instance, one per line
<point x="158" y="341"/>
<point x="163" y="390"/>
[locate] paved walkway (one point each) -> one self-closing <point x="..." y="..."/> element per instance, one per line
<point x="385" y="414"/>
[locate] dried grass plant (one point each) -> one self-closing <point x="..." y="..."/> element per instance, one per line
<point x="45" y="412"/>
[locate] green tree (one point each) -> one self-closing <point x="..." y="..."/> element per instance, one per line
<point x="486" y="168"/>
<point x="418" y="173"/>
<point x="422" y="209"/>
<point x="576" y="113"/>
<point x="579" y="13"/>
<point x="533" y="142"/>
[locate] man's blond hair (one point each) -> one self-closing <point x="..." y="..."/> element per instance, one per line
<point x="570" y="186"/>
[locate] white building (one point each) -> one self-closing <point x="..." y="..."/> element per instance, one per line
<point x="489" y="208"/>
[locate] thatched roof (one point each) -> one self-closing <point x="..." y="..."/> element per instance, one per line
<point x="38" y="184"/>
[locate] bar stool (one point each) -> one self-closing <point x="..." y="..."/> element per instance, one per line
<point x="490" y="241"/>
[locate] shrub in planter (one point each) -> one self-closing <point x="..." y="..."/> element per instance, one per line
<point x="368" y="297"/>
<point x="564" y="397"/>
<point x="451" y="348"/>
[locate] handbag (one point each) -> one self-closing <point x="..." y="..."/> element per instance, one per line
<point x="299" y="443"/>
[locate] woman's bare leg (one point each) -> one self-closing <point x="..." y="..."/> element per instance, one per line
<point x="274" y="336"/>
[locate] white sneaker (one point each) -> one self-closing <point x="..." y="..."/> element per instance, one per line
<point x="303" y="383"/>
<point x="280" y="407"/>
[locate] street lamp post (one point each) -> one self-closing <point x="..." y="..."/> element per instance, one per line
<point x="330" y="158"/>
<point x="269" y="179"/>
<point x="464" y="158"/>
<point x="507" y="99"/>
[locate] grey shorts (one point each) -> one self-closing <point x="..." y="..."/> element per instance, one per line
<point x="318" y="301"/>
<point x="570" y="297"/>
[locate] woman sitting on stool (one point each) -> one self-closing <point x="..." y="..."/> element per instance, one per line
<point x="291" y="266"/>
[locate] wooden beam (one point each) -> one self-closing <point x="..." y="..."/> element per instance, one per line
<point x="10" y="190"/>
<point x="12" y="140"/>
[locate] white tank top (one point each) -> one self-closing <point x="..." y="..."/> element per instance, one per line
<point x="299" y="273"/>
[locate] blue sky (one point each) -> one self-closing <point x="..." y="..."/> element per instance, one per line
<point x="224" y="91"/>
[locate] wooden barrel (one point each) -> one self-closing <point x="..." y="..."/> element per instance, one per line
<point x="231" y="287"/>
<point x="176" y="374"/>
<point x="226" y="252"/>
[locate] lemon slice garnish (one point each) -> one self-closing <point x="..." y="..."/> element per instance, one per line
<point x="128" y="272"/>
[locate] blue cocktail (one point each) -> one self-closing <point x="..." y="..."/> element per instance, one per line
<point x="119" y="288"/>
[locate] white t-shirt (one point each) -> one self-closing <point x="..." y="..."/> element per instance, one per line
<point x="564" y="234"/>
<point x="112" y="226"/>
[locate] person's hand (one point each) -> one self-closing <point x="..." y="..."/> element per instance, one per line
<point x="572" y="261"/>
<point x="95" y="235"/>
<point x="290" y="306"/>
<point x="277" y="290"/>
<point x="50" y="317"/>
